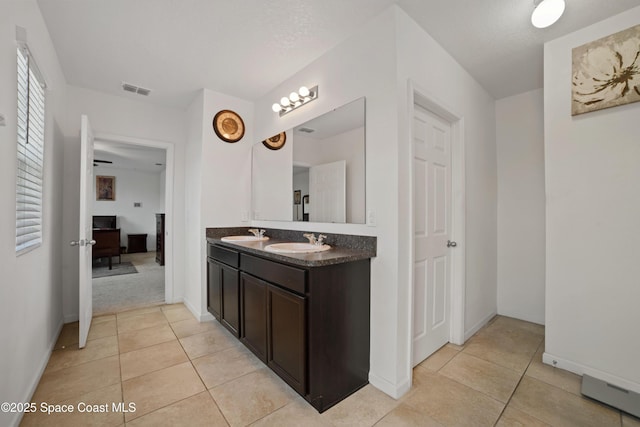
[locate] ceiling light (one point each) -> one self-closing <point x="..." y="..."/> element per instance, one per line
<point x="547" y="12"/>
<point x="295" y="100"/>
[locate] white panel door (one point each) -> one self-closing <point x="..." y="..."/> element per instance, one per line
<point x="431" y="233"/>
<point x="328" y="192"/>
<point x="85" y="241"/>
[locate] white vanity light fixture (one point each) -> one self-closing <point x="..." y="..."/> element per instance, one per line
<point x="546" y="12"/>
<point x="295" y="100"/>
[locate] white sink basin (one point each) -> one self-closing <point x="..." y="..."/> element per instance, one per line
<point x="244" y="239"/>
<point x="296" y="248"/>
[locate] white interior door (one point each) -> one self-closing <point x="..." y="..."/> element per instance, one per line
<point x="431" y="233"/>
<point x="328" y="192"/>
<point x="85" y="242"/>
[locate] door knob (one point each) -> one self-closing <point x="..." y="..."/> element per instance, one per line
<point x="91" y="242"/>
<point x="451" y="244"/>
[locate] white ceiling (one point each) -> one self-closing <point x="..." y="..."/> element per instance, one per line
<point x="127" y="156"/>
<point x="245" y="48"/>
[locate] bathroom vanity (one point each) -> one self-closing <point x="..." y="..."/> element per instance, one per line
<point x="306" y="316"/>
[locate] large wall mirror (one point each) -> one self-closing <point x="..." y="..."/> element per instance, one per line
<point x="318" y="175"/>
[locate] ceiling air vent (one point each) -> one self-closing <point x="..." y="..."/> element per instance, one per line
<point x="135" y="89"/>
<point x="306" y="130"/>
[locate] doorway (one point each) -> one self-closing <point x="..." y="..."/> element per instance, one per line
<point x="437" y="231"/>
<point x="141" y="207"/>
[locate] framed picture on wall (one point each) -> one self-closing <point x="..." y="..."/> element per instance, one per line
<point x="105" y="188"/>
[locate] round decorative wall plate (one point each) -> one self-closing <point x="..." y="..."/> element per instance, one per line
<point x="275" y="142"/>
<point x="228" y="126"/>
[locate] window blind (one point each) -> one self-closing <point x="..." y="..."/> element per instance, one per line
<point x="30" y="154"/>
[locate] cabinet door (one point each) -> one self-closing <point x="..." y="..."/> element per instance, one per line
<point x="287" y="337"/>
<point x="254" y="315"/>
<point x="214" y="288"/>
<point x="230" y="299"/>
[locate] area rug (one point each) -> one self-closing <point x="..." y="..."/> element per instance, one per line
<point x="117" y="270"/>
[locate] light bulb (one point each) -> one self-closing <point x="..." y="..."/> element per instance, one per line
<point x="547" y="12"/>
<point x="276" y="107"/>
<point x="294" y="97"/>
<point x="304" y="91"/>
<point x="284" y="101"/>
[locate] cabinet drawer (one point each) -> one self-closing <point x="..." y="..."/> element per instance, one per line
<point x="288" y="277"/>
<point x="224" y="255"/>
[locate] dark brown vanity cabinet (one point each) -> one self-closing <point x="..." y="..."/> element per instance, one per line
<point x="223" y="287"/>
<point x="309" y="324"/>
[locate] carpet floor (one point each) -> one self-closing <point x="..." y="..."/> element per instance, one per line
<point x="117" y="269"/>
<point x="113" y="294"/>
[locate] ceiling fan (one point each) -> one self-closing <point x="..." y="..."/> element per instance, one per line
<point x="95" y="162"/>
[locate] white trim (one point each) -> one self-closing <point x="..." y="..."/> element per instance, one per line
<point x="475" y="328"/>
<point x="71" y="318"/>
<point x="200" y="317"/>
<point x="422" y="97"/>
<point x="580" y="369"/>
<point x="36" y="379"/>
<point x="169" y="288"/>
<point x="393" y="390"/>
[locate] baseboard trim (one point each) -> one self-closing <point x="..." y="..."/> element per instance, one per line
<point x="36" y="380"/>
<point x="71" y="318"/>
<point x="200" y="317"/>
<point x="393" y="390"/>
<point x="471" y="332"/>
<point x="580" y="369"/>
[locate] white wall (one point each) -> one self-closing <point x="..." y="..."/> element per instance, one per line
<point x="114" y="115"/>
<point x="132" y="186"/>
<point x="31" y="284"/>
<point x="218" y="185"/>
<point x="521" y="206"/>
<point x="272" y="180"/>
<point x="436" y="74"/>
<point x="593" y="209"/>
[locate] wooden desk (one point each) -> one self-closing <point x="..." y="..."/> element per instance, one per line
<point x="107" y="244"/>
<point x="136" y="243"/>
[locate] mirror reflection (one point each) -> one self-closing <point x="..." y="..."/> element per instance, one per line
<point x="318" y="175"/>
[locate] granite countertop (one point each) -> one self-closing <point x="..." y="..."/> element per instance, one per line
<point x="336" y="255"/>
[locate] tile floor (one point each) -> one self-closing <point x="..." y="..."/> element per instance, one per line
<point x="179" y="372"/>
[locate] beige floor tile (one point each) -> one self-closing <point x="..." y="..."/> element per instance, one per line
<point x="161" y="388"/>
<point x="295" y="414"/>
<point x="630" y="421"/>
<point x="135" y="340"/>
<point x="496" y="381"/>
<point x="455" y="346"/>
<point x="404" y="415"/>
<point x="226" y="365"/>
<point x="512" y="417"/>
<point x="451" y="403"/>
<point x="139" y="311"/>
<point x="142" y="321"/>
<point x="72" y="356"/>
<point x="105" y="328"/>
<point x="560" y="378"/>
<point x="178" y="313"/>
<point x="77" y="380"/>
<point x="251" y="397"/>
<point x="211" y="342"/>
<point x="103" y="318"/>
<point x="188" y="327"/>
<point x="440" y="358"/>
<point x="512" y="348"/>
<point x="69" y="336"/>
<point x="558" y="407"/>
<point x="505" y="324"/>
<point x="149" y="359"/>
<point x="166" y="307"/>
<point x="196" y="411"/>
<point x="363" y="408"/>
<point x="84" y="413"/>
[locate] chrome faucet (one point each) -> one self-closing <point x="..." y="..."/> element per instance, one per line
<point x="257" y="233"/>
<point x="312" y="238"/>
